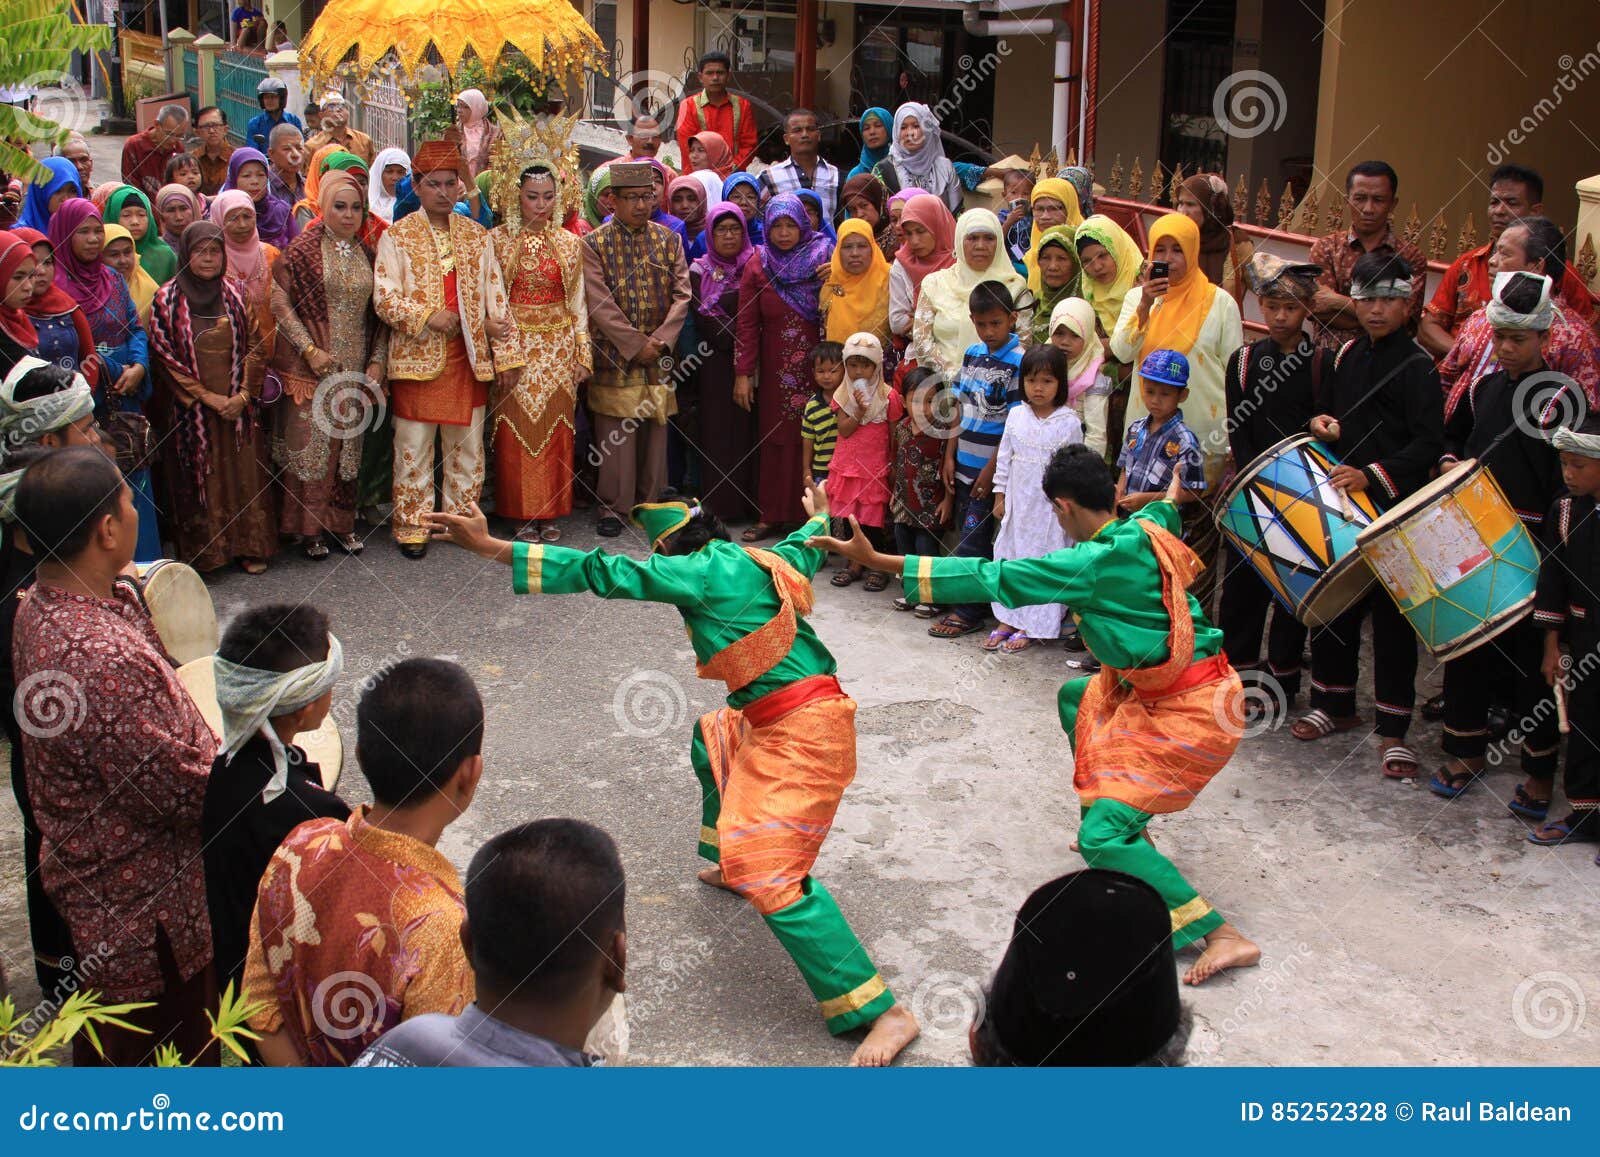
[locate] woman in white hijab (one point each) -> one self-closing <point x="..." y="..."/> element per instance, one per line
<point x="381" y="190"/>
<point x="916" y="157"/>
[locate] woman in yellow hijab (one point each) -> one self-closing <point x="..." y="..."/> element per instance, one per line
<point x="1111" y="261"/>
<point x="1183" y="311"/>
<point x="855" y="298"/>
<point x="1054" y="202"/>
<point x="121" y="255"/>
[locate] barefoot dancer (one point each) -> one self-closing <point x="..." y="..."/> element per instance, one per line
<point x="774" y="762"/>
<point x="1161" y="717"/>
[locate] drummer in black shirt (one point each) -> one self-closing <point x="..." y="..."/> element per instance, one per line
<point x="1505" y="420"/>
<point x="1271" y="388"/>
<point x="275" y="673"/>
<point x="1383" y="412"/>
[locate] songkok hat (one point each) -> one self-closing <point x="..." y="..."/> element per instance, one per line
<point x="1272" y="276"/>
<point x="433" y="156"/>
<point x="1089" y="977"/>
<point x="631" y="175"/>
<point x="661" y="520"/>
<point x="1168" y="367"/>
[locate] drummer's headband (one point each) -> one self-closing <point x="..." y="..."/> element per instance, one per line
<point x="1384" y="287"/>
<point x="1502" y="316"/>
<point x="1575" y="443"/>
<point x="250" y="697"/>
<point x="24" y="422"/>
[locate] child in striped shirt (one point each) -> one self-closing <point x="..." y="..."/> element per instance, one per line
<point x="819" y="428"/>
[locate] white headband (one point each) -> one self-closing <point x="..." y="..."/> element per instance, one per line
<point x="1501" y="316"/>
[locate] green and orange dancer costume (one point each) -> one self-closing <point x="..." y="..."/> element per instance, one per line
<point x="1160" y="718"/>
<point x="775" y="761"/>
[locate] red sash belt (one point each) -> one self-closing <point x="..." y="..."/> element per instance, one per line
<point x="1195" y="675"/>
<point x="774" y="705"/>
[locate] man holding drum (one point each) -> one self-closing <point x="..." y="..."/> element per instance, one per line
<point x="1384" y="413"/>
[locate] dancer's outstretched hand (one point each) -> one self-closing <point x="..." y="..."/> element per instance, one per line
<point x="856" y="548"/>
<point x="815" y="499"/>
<point x="469" y="531"/>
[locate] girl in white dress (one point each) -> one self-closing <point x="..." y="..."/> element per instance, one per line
<point x="1028" y="528"/>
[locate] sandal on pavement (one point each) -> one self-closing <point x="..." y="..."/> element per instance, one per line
<point x="901" y="603"/>
<point x="1448" y="782"/>
<point x="996" y="637"/>
<point x="316" y="550"/>
<point x="255" y="565"/>
<point x="1017" y="642"/>
<point x="1318" y="724"/>
<point x="1527" y="806"/>
<point x="349" y="543"/>
<point x="845" y="577"/>
<point x="550" y="533"/>
<point x="1395" y="761"/>
<point x="1577" y="828"/>
<point x="757" y="532"/>
<point x="928" y="611"/>
<point x="876" y="581"/>
<point x="953" y="626"/>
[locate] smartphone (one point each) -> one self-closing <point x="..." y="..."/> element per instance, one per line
<point x="1158" y="270"/>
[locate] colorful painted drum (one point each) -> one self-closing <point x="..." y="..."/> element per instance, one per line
<point x="1298" y="531"/>
<point x="1456" y="559"/>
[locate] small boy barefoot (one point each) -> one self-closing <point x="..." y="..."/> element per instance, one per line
<point x="889" y="1034"/>
<point x="1225" y="948"/>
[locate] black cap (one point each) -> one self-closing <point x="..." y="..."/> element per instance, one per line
<point x="1089" y="977"/>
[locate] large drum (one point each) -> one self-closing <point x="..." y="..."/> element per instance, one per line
<point x="1298" y="530"/>
<point x="180" y="607"/>
<point x="323" y="747"/>
<point x="1456" y="559"/>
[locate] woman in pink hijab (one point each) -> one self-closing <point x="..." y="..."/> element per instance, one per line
<point x="249" y="268"/>
<point x="473" y="133"/>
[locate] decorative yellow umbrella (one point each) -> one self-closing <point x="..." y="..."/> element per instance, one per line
<point x="359" y="34"/>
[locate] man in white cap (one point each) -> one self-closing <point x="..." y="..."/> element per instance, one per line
<point x="336" y="130"/>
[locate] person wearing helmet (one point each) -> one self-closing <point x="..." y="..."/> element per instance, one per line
<point x="273" y="96"/>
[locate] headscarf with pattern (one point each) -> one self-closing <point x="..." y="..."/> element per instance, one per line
<point x="793" y="271"/>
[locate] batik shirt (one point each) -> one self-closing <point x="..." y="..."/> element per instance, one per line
<point x="117" y="759"/>
<point x="355" y="930"/>
<point x="1149" y="457"/>
<point x="1338" y="253"/>
<point x="1572" y="350"/>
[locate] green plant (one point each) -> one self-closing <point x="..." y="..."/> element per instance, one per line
<point x="433" y="108"/>
<point x="83" y="1011"/>
<point x="37" y="40"/>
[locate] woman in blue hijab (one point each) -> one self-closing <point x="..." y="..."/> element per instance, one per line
<point x="744" y="190"/>
<point x="41" y="200"/>
<point x="875" y="124"/>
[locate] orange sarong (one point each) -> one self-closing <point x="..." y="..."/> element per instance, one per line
<point x="1152" y="737"/>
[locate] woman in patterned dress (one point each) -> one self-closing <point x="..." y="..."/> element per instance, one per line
<point x="327" y="331"/>
<point x="531" y="412"/>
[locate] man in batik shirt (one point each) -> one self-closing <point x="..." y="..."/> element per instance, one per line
<point x="116" y="756"/>
<point x="637" y="283"/>
<point x="437" y="286"/>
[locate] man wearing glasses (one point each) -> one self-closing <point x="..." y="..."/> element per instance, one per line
<point x="213" y="150"/>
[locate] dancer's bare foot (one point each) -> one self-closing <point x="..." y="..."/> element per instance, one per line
<point x="713" y="876"/>
<point x="890" y="1033"/>
<point x="1225" y="948"/>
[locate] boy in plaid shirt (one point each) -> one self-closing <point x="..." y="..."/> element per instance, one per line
<point x="1160" y="443"/>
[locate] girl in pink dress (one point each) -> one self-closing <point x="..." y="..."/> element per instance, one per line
<point x="858" y="479"/>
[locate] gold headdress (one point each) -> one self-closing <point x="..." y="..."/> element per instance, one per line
<point x="543" y="140"/>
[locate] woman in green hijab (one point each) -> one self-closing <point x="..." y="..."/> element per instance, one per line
<point x="130" y="208"/>
<point x="1058" y="277"/>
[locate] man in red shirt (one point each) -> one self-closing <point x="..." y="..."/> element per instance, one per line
<point x="729" y="116"/>
<point x="1514" y="191"/>
<point x="144" y="155"/>
<point x="116" y="758"/>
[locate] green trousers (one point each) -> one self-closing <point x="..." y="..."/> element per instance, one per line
<point x="1111" y="835"/>
<point x="820" y="941"/>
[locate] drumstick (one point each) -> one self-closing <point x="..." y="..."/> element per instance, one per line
<point x="1562" y="723"/>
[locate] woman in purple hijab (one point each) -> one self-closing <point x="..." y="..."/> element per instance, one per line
<point x="727" y="431"/>
<point x="778" y="326"/>
<point x="275" y="223"/>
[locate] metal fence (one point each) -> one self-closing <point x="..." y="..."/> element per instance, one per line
<point x="238" y="73"/>
<point x="191" y="71"/>
<point x="382" y="113"/>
